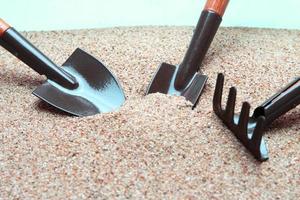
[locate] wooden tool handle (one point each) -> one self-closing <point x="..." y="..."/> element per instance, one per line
<point x="218" y="6"/>
<point x="3" y="27"/>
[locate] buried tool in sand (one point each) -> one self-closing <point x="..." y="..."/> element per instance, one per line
<point x="185" y="80"/>
<point x="249" y="130"/>
<point x="83" y="86"/>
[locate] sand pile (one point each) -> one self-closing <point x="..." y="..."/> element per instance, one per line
<point x="154" y="146"/>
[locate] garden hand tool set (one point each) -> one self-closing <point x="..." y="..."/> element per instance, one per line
<point x="249" y="130"/>
<point x="185" y="80"/>
<point x="83" y="86"/>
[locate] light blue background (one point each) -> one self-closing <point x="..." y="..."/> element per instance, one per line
<point x="79" y="14"/>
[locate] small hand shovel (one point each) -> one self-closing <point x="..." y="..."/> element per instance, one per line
<point x="82" y="87"/>
<point x="185" y="80"/>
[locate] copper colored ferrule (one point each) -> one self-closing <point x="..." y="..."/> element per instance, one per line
<point x="3" y="27"/>
<point x="217" y="6"/>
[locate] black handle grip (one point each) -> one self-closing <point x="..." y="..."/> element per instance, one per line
<point x="16" y="44"/>
<point x="204" y="34"/>
<point x="280" y="103"/>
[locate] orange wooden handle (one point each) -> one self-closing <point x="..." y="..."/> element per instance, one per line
<point x="218" y="6"/>
<point x="3" y="27"/>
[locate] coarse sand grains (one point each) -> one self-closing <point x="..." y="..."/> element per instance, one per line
<point x="154" y="146"/>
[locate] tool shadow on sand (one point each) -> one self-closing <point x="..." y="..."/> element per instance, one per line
<point x="284" y="122"/>
<point x="20" y="79"/>
<point x="43" y="107"/>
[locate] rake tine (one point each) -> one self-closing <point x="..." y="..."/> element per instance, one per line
<point x="258" y="132"/>
<point x="217" y="100"/>
<point x="243" y="120"/>
<point x="249" y="129"/>
<point x="229" y="111"/>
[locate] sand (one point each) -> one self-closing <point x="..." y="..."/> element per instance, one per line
<point x="155" y="146"/>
